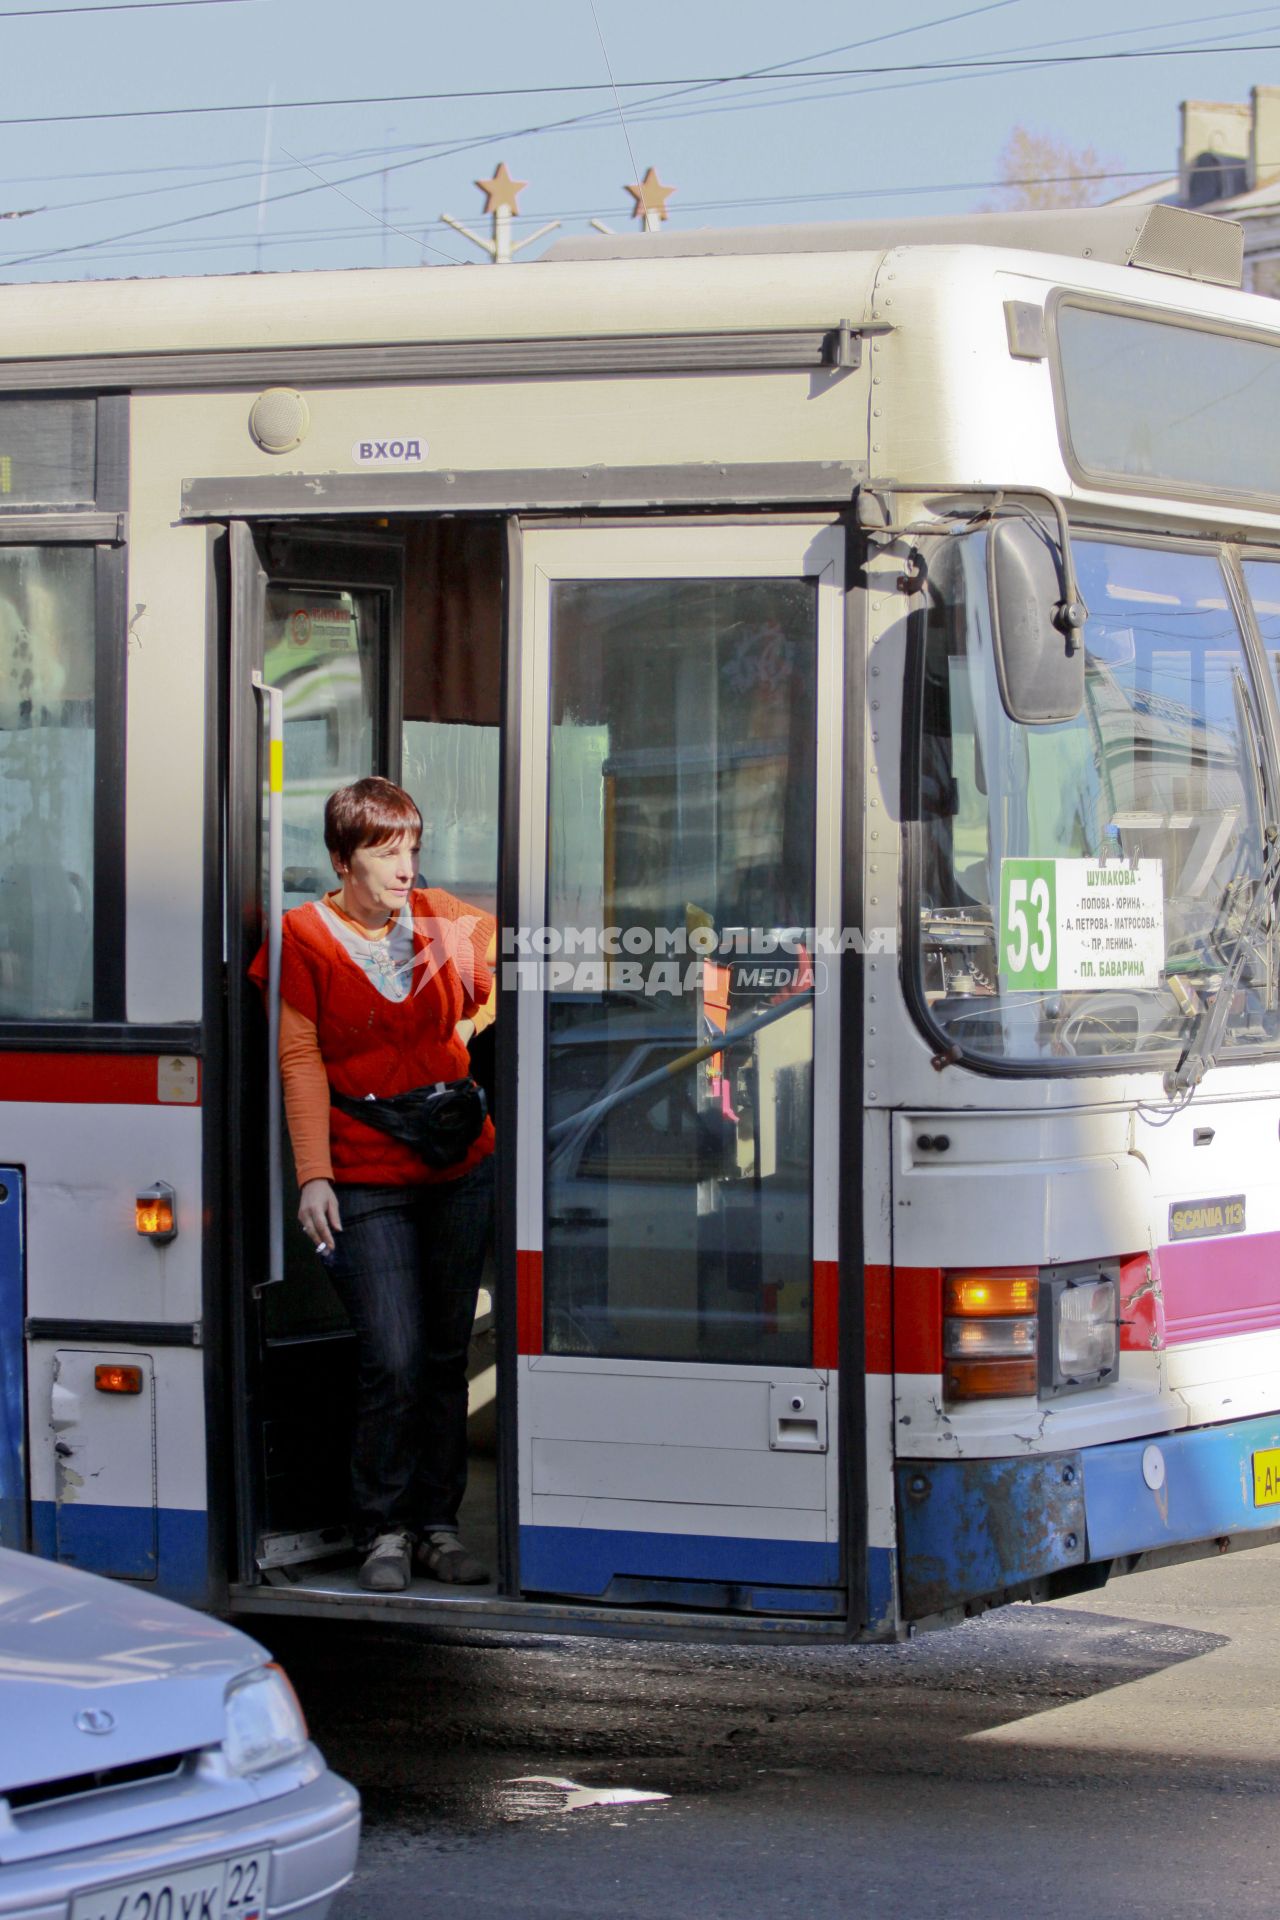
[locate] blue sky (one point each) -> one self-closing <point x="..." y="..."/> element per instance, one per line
<point x="231" y="191"/>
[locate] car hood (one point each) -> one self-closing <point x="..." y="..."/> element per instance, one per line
<point x="77" y="1651"/>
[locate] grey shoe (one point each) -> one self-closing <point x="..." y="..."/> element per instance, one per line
<point x="442" y="1556"/>
<point x="386" y="1567"/>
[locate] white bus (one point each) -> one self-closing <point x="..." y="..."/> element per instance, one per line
<point x="847" y="661"/>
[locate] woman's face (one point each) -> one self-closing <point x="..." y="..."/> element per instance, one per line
<point x="376" y="884"/>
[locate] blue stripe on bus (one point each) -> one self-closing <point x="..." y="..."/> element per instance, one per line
<point x="13" y="1398"/>
<point x="108" y="1540"/>
<point x="120" y="1541"/>
<point x="1205" y="1491"/>
<point x="881" y="1609"/>
<point x="586" y="1560"/>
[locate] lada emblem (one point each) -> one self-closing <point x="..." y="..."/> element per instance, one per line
<point x="95" y="1720"/>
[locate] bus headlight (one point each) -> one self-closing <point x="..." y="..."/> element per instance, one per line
<point x="264" y="1723"/>
<point x="1079" y="1329"/>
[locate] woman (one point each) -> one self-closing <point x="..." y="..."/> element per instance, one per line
<point x="382" y="986"/>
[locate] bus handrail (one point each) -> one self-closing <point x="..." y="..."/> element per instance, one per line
<point x="273" y="702"/>
<point x="733" y="1036"/>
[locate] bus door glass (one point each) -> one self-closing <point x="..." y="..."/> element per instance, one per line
<point x="318" y="617"/>
<point x="323" y="648"/>
<point x="678" y="1029"/>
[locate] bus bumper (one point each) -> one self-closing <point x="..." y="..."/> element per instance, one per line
<point x="977" y="1531"/>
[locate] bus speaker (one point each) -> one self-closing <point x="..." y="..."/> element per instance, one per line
<point x="279" y="420"/>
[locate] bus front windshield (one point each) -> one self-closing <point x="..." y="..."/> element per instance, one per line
<point x="1082" y="889"/>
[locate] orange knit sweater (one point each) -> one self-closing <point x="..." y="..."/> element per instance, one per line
<point x="306" y="1085"/>
<point x="306" y="1076"/>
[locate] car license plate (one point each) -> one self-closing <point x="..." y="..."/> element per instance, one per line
<point x="1266" y="1477"/>
<point x="234" y="1889"/>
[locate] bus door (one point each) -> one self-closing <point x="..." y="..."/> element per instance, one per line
<point x="679" y="1143"/>
<point x="13" y="1393"/>
<point x="316" y="614"/>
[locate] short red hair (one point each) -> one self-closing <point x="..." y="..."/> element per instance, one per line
<point x="368" y="814"/>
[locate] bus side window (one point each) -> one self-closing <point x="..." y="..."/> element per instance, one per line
<point x="47" y="752"/>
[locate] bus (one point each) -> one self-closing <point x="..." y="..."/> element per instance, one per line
<point x="846" y="661"/>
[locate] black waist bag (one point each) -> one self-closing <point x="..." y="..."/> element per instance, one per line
<point x="439" y="1122"/>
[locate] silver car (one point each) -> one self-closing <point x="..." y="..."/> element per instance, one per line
<point x="154" y="1763"/>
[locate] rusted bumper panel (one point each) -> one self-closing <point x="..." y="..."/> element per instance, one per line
<point x="973" y="1529"/>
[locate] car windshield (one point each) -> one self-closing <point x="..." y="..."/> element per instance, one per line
<point x="1081" y="889"/>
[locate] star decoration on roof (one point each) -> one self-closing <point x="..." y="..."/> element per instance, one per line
<point x="502" y="192"/>
<point x="650" y="196"/>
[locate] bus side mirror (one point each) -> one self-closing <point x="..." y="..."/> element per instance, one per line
<point x="1036" y="625"/>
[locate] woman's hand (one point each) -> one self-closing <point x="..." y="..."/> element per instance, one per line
<point x="318" y="1214"/>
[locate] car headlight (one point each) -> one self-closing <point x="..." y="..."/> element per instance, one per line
<point x="264" y="1723"/>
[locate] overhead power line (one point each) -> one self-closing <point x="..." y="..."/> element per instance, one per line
<point x="417" y="149"/>
<point x="117" y="6"/>
<point x="311" y="236"/>
<point x="439" y="152"/>
<point x="442" y="149"/>
<point x="986" y="63"/>
<point x="346" y="156"/>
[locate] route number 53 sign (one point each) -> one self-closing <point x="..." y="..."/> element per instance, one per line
<point x="1072" y="925"/>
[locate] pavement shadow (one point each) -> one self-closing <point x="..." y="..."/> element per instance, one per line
<point x="440" y="1733"/>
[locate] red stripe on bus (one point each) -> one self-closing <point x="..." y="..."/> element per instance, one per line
<point x="917" y="1319"/>
<point x="826" y="1313"/>
<point x="1192" y="1290"/>
<point x="877" y="1292"/>
<point x="529" y="1302"/>
<point x="87" y="1079"/>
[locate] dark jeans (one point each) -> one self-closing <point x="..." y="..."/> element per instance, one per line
<point x="407" y="1266"/>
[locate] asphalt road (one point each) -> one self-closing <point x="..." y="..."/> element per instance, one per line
<point x="1115" y="1756"/>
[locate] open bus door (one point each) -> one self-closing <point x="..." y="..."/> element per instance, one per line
<point x="679" y="1156"/>
<point x="316" y="617"/>
<point x="668" y="1110"/>
<point x="382" y="648"/>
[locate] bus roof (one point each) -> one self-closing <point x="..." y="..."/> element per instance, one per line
<point x="1166" y="239"/>
<point x="638" y="287"/>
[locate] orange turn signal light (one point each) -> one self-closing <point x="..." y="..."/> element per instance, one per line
<point x="1005" y="1290"/>
<point x="116" y="1379"/>
<point x="989" y="1379"/>
<point x="990" y="1332"/>
<point x="155" y="1213"/>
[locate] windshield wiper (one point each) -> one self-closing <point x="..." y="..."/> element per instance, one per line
<point x="1206" y="1035"/>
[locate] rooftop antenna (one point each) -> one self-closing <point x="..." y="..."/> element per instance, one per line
<point x="262" y="176"/>
<point x="617" y="98"/>
<point x="416" y="240"/>
<point x="502" y="195"/>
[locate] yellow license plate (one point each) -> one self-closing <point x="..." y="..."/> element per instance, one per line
<point x="1266" y="1478"/>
